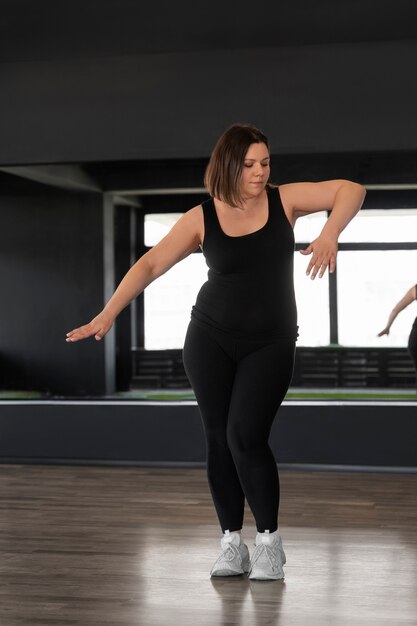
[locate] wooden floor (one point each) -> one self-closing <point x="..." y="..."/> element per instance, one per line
<point x="126" y="546"/>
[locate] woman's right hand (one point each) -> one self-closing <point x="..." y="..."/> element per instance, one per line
<point x="99" y="326"/>
<point x="384" y="332"/>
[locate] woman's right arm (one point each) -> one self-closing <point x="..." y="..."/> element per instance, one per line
<point x="404" y="302"/>
<point x="183" y="239"/>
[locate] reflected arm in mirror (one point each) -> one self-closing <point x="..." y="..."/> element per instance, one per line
<point x="407" y="299"/>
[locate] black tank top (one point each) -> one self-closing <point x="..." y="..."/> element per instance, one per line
<point x="250" y="287"/>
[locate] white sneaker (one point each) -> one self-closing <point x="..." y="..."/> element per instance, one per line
<point x="268" y="558"/>
<point x="234" y="559"/>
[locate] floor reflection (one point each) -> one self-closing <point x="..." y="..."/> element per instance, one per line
<point x="247" y="602"/>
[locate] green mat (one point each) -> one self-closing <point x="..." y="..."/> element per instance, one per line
<point x="346" y="395"/>
<point x="188" y="395"/>
<point x="311" y="395"/>
<point x="20" y="395"/>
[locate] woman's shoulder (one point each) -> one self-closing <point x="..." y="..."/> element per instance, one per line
<point x="283" y="195"/>
<point x="195" y="213"/>
<point x="285" y="191"/>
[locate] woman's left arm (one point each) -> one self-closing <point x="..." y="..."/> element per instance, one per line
<point x="342" y="197"/>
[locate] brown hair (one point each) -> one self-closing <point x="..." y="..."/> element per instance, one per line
<point x="223" y="172"/>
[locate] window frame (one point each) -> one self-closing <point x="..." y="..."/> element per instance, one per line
<point x="333" y="279"/>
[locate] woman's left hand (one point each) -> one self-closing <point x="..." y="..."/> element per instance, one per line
<point x="324" y="251"/>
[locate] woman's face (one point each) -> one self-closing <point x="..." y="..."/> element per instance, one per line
<point x="255" y="170"/>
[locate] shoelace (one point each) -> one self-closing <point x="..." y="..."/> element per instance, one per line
<point x="228" y="554"/>
<point x="271" y="555"/>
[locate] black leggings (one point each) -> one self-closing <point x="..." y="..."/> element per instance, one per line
<point x="239" y="385"/>
<point x="412" y="343"/>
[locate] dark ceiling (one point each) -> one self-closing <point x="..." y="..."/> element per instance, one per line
<point x="51" y="30"/>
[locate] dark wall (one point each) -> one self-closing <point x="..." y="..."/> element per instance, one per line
<point x="359" y="433"/>
<point x="51" y="277"/>
<point x="308" y="99"/>
<point x="122" y="256"/>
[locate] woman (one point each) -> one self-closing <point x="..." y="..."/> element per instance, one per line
<point x="239" y="347"/>
<point x="407" y="299"/>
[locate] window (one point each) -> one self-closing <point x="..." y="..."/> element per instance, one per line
<point x="168" y="300"/>
<point x="370" y="283"/>
<point x="309" y="227"/>
<point x="168" y="303"/>
<point x="382" y="226"/>
<point x="371" y="278"/>
<point x="312" y="296"/>
<point x="157" y="226"/>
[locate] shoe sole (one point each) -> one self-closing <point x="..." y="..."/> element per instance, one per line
<point x="263" y="576"/>
<point x="226" y="573"/>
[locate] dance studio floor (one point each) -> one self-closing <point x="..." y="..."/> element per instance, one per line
<point x="96" y="546"/>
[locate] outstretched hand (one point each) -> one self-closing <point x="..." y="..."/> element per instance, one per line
<point x="383" y="332"/>
<point x="324" y="251"/>
<point x="98" y="327"/>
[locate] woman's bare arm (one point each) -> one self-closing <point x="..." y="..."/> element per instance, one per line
<point x="183" y="239"/>
<point x="343" y="198"/>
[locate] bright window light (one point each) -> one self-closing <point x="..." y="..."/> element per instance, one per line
<point x="369" y="284"/>
<point x="312" y="298"/>
<point x="157" y="225"/>
<point x="309" y="227"/>
<point x="381" y="226"/>
<point x="168" y="303"/>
